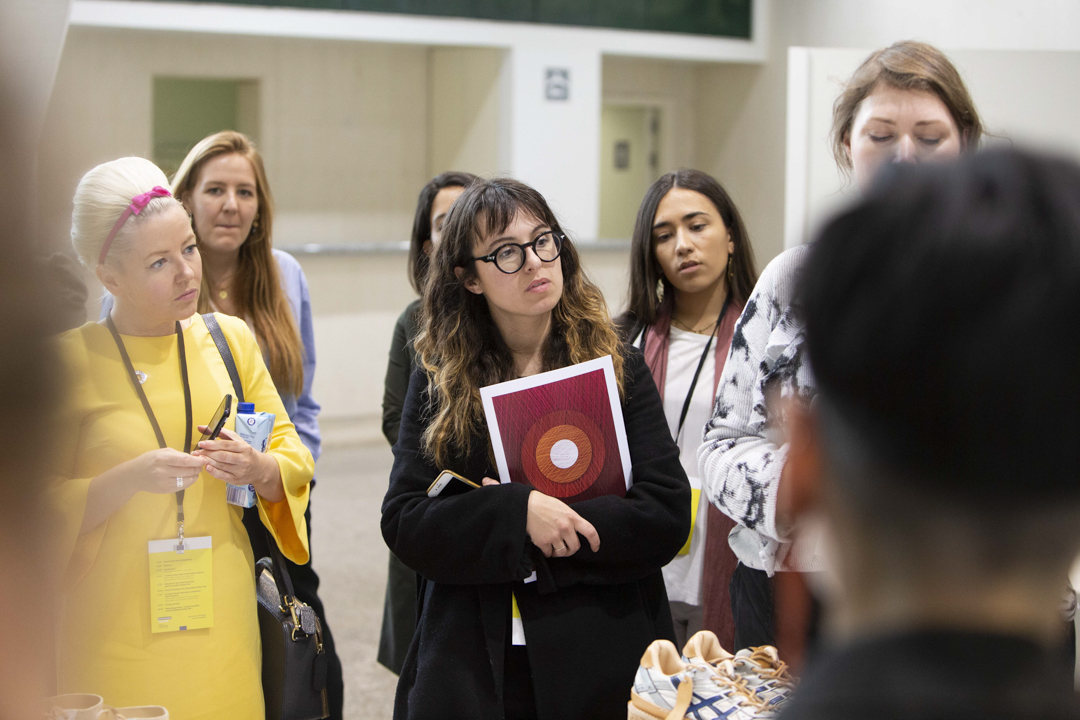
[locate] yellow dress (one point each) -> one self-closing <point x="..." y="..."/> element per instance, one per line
<point x="105" y="644"/>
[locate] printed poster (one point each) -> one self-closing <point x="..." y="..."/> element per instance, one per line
<point x="562" y="432"/>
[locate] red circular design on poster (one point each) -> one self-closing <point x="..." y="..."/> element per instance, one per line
<point x="536" y="459"/>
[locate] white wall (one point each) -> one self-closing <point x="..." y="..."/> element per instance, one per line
<point x="343" y="125"/>
<point x="741" y="122"/>
<point x="467" y="108"/>
<point x="556" y="143"/>
<point x="1011" y="89"/>
<point x="667" y="84"/>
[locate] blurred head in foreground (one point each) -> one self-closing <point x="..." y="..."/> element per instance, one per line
<point x="940" y="315"/>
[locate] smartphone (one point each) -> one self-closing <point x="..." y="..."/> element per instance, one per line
<point x="451" y="482"/>
<point x="213" y="428"/>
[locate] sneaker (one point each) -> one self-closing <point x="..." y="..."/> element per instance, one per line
<point x="666" y="688"/>
<point x="704" y="646"/>
<point x="766" y="674"/>
<point x="766" y="677"/>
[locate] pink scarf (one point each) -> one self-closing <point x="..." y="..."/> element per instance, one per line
<point x="720" y="561"/>
<point x="658" y="339"/>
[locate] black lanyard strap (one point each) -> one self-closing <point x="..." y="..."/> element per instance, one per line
<point x="701" y="364"/>
<point x="150" y="411"/>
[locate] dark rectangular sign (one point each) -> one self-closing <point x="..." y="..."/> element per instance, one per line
<point x="722" y="18"/>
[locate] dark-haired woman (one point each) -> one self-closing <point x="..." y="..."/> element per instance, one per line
<point x="691" y="270"/>
<point x="399" y="608"/>
<point x="507" y="298"/>
<point x="905" y="103"/>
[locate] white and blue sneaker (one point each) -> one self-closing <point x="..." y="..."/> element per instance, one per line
<point x="666" y="688"/>
<point x="764" y="674"/>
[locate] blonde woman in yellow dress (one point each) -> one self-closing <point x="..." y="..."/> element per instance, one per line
<point x="119" y="487"/>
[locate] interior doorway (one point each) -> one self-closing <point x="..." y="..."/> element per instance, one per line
<point x="629" y="163"/>
<point x="186" y="110"/>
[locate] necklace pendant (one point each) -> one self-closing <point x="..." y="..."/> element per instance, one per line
<point x="141" y="376"/>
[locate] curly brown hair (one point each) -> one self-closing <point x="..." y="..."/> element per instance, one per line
<point x="459" y="345"/>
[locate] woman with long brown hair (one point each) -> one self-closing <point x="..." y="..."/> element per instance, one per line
<point x="432" y="207"/>
<point x="506" y="298"/>
<point x="906" y="103"/>
<point x="691" y="270"/>
<point x="223" y="185"/>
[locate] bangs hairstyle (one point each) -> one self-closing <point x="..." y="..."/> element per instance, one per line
<point x="459" y="345"/>
<point x="421" y="227"/>
<point x="646" y="275"/>
<point x="906" y="65"/>
<point x="258" y="287"/>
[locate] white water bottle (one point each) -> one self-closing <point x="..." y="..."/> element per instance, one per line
<point x="254" y="428"/>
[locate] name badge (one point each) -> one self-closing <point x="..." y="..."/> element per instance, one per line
<point x="517" y="629"/>
<point x="181" y="585"/>
<point x="695" y="502"/>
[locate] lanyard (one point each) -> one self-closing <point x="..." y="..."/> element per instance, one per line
<point x="701" y="363"/>
<point x="150" y="412"/>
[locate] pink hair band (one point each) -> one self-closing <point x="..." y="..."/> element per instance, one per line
<point x="138" y="203"/>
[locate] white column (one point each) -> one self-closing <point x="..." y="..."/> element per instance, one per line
<point x="554" y="144"/>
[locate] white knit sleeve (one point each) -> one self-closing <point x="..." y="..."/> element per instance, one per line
<point x="740" y="466"/>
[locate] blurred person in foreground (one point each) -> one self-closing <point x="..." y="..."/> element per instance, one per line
<point x="940" y="454"/>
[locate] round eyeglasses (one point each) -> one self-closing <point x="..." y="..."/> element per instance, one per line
<point x="510" y="257"/>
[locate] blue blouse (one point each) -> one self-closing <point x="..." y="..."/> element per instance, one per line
<point x="303" y="410"/>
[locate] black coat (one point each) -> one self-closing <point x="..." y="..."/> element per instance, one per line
<point x="587" y="619"/>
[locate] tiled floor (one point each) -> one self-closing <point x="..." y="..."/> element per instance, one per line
<point x="350" y="557"/>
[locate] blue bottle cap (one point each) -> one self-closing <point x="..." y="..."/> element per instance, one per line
<point x="246" y="408"/>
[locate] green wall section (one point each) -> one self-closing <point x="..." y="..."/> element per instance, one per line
<point x="188" y="109"/>
<point x="724" y="18"/>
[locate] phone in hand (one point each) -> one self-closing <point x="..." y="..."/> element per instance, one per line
<point x="450" y="482"/>
<point x="213" y="428"/>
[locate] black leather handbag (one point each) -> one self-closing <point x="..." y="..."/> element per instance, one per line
<point x="294" y="661"/>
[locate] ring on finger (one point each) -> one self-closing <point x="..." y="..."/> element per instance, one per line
<point x="179" y="482"/>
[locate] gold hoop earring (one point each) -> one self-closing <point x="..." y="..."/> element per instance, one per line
<point x="660" y="290"/>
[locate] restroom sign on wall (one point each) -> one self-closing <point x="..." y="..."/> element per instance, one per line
<point x="557" y="84"/>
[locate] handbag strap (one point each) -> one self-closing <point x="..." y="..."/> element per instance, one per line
<point x="281" y="573"/>
<point x="226" y="353"/>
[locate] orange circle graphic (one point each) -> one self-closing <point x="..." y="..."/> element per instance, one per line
<point x="543" y="453"/>
<point x="549" y="429"/>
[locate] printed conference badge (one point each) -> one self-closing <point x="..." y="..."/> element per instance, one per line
<point x="181" y="585"/>
<point x="562" y="432"/>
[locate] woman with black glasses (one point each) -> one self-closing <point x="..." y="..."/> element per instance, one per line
<point x="506" y="298"/>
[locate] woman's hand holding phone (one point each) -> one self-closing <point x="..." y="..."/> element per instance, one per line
<point x="157" y="471"/>
<point x="230" y="459"/>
